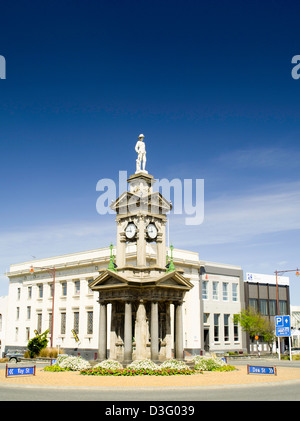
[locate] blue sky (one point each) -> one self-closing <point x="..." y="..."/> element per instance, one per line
<point x="208" y="83"/>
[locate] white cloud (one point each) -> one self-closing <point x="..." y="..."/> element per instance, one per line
<point x="235" y="218"/>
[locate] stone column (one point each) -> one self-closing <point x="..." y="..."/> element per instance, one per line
<point x="128" y="332"/>
<point x="102" y="332"/>
<point x="178" y="332"/>
<point x="154" y="330"/>
<point x="141" y="332"/>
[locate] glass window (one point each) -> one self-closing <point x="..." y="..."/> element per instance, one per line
<point x="216" y="327"/>
<point x="215" y="290"/>
<point x="39" y="322"/>
<point x="204" y="290"/>
<point x="253" y="303"/>
<point x="29" y="292"/>
<point x="90" y="322"/>
<point x="77" y="287"/>
<point x="225" y="291"/>
<point x="263" y="307"/>
<point x="40" y="290"/>
<point x="273" y="307"/>
<point x="76" y="321"/>
<point x="27" y="333"/>
<point x="28" y="313"/>
<point x="234" y="292"/>
<point x="18" y="313"/>
<point x="64" y="289"/>
<point x="282" y="307"/>
<point x="19" y="293"/>
<point x="63" y="323"/>
<point x="235" y="330"/>
<point x="226" y="327"/>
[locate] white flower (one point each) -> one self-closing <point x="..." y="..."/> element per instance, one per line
<point x="174" y="364"/>
<point x="110" y="365"/>
<point x="143" y="364"/>
<point x="73" y="363"/>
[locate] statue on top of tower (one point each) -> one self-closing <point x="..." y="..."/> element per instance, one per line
<point x="140" y="148"/>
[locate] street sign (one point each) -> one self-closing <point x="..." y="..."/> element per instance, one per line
<point x="254" y="369"/>
<point x="283" y="326"/>
<point x="19" y="371"/>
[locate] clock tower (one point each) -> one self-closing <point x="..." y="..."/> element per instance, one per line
<point x="145" y="295"/>
<point x="141" y="222"/>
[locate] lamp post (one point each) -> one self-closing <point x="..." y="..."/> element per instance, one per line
<point x="281" y="272"/>
<point x="52" y="271"/>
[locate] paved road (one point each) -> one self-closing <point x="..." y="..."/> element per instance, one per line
<point x="283" y="391"/>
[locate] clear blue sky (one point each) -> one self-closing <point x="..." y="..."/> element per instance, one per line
<point x="208" y="83"/>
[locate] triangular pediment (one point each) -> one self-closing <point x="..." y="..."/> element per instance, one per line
<point x="129" y="202"/>
<point x="108" y="279"/>
<point x="174" y="279"/>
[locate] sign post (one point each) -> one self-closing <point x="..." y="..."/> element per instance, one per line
<point x="283" y="329"/>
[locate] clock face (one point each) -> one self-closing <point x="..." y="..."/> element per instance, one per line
<point x="130" y="230"/>
<point x="152" y="231"/>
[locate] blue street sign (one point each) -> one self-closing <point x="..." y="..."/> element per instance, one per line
<point x="252" y="369"/>
<point x="283" y="326"/>
<point x="20" y="371"/>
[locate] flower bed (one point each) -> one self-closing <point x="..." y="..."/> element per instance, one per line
<point x="100" y="371"/>
<point x="139" y="368"/>
<point x="211" y="363"/>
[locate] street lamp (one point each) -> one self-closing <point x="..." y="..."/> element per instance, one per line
<point x="281" y="272"/>
<point x="52" y="271"/>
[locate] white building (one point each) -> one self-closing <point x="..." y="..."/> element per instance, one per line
<point x="207" y="311"/>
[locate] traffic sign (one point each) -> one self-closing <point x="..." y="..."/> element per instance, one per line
<point x="19" y="371"/>
<point x="283" y="326"/>
<point x="252" y="369"/>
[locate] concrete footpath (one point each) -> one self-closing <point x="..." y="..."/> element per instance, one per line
<point x="74" y="379"/>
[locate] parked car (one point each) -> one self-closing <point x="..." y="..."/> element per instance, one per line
<point x="295" y="351"/>
<point x="14" y="355"/>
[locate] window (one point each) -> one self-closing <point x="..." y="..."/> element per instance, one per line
<point x="263" y="307"/>
<point x="90" y="322"/>
<point x="76" y="321"/>
<point x="205" y="317"/>
<point x="253" y="303"/>
<point x="16" y="334"/>
<point x="29" y="293"/>
<point x="18" y="313"/>
<point x="272" y="307"/>
<point x="235" y="331"/>
<point x="51" y="290"/>
<point x="216" y="327"/>
<point x="39" y="322"/>
<point x="19" y="293"/>
<point x="27" y="333"/>
<point x="64" y="289"/>
<point x="77" y="287"/>
<point x="40" y="290"/>
<point x="225" y="291"/>
<point x="63" y="323"/>
<point x="28" y="312"/>
<point x="282" y="307"/>
<point x="50" y="323"/>
<point x="0" y="322"/>
<point x="234" y="292"/>
<point x="215" y="290"/>
<point x="226" y="327"/>
<point x="204" y="290"/>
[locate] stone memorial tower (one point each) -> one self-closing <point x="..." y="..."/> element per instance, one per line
<point x="144" y="294"/>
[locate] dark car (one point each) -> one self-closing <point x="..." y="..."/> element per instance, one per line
<point x="14" y="356"/>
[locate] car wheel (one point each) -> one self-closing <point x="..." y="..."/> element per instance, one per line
<point x="13" y="360"/>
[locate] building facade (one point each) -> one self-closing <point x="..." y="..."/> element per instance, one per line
<point x="207" y="316"/>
